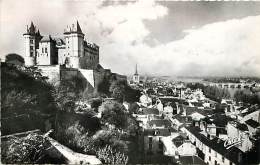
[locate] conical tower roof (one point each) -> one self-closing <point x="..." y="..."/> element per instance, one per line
<point x="78" y="28"/>
<point x="31" y="30"/>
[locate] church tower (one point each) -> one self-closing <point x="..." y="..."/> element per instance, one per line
<point x="74" y="41"/>
<point x="32" y="38"/>
<point x="136" y="76"/>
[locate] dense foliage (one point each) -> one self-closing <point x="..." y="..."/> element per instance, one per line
<point x="216" y="93"/>
<point x="14" y="58"/>
<point x="118" y="89"/>
<point x="24" y="90"/>
<point x="29" y="149"/>
<point x="26" y="98"/>
<point x="113" y="113"/>
<point x="246" y="96"/>
<point x="213" y="92"/>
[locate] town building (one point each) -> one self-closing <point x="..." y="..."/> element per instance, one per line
<point x="212" y="150"/>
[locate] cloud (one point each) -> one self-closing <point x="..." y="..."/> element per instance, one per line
<point x="227" y="48"/>
<point x="221" y="48"/>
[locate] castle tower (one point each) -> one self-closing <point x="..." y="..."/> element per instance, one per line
<point x="74" y="40"/>
<point x="32" y="38"/>
<point x="136" y="76"/>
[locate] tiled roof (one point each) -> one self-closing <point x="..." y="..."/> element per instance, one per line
<point x="147" y="111"/>
<point x="191" y="160"/>
<point x="217" y="145"/>
<point x="197" y="104"/>
<point x="252" y="123"/>
<point x="241" y="108"/>
<point x="160" y="123"/>
<point x="178" y="141"/>
<point x="250" y="111"/>
<point x="205" y="112"/>
<point x="46" y="39"/>
<point x="242" y="127"/>
<point x="158" y="132"/>
<point x="229" y="102"/>
<point x="182" y="119"/>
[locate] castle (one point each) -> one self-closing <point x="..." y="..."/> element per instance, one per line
<point x="71" y="50"/>
<point x="66" y="58"/>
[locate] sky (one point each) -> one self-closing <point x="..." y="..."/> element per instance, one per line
<point x="163" y="38"/>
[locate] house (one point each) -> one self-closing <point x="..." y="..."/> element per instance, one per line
<point x="212" y="150"/>
<point x="168" y="110"/>
<point x="240" y="131"/>
<point x="253" y="126"/>
<point x="177" y="146"/>
<point x="145" y="100"/>
<point x="191" y="160"/>
<point x="152" y="140"/>
<point x="146" y="115"/>
<point x="180" y="120"/>
<point x="250" y="113"/>
<point x="159" y="123"/>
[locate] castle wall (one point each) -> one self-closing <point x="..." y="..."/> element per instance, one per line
<point x="68" y="73"/>
<point x="90" y="58"/>
<point x="61" y="55"/>
<point x="85" y="76"/>
<point x="52" y="72"/>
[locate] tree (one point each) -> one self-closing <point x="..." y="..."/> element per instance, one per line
<point x="246" y="97"/>
<point x="14" y="59"/>
<point x="29" y="149"/>
<point x="132" y="126"/>
<point x="117" y="90"/>
<point x="133" y="108"/>
<point x="109" y="156"/>
<point x="113" y="113"/>
<point x="95" y="103"/>
<point x="24" y="92"/>
<point x="216" y="93"/>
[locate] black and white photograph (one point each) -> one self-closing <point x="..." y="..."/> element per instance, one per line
<point x="130" y="82"/>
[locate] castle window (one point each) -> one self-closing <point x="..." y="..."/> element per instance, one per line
<point x="31" y="41"/>
<point x="45" y="50"/>
<point x="31" y="47"/>
<point x="31" y="53"/>
<point x="150" y="143"/>
<point x="42" y="50"/>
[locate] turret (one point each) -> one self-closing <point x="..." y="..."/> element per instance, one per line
<point x="74" y="40"/>
<point x="32" y="38"/>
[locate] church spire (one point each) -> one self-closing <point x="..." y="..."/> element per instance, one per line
<point x="136" y="72"/>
